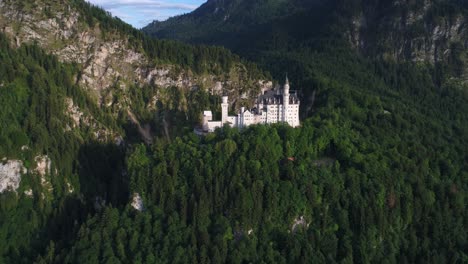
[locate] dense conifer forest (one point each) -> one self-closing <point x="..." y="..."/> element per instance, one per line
<point x="377" y="172"/>
<point x="376" y="178"/>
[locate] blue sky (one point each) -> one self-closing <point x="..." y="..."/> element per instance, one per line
<point x="139" y="13"/>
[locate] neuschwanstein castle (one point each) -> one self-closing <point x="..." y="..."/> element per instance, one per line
<point x="271" y="107"/>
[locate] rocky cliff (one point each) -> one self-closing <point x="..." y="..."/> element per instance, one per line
<point x="10" y="174"/>
<point x="109" y="64"/>
<point x="424" y="31"/>
<point x="106" y="59"/>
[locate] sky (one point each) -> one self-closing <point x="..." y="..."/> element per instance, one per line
<point x="140" y="13"/>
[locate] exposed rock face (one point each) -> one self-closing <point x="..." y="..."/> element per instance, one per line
<point x="29" y="193"/>
<point x="43" y="165"/>
<point x="74" y="112"/>
<point x="43" y="168"/>
<point x="145" y="132"/>
<point x="64" y="35"/>
<point x="410" y="33"/>
<point x="10" y="175"/>
<point x="81" y="119"/>
<point x="299" y="222"/>
<point x="70" y="188"/>
<point x="137" y="202"/>
<point x="105" y="59"/>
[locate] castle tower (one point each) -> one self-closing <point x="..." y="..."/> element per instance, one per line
<point x="285" y="100"/>
<point x="224" y="110"/>
<point x="242" y="112"/>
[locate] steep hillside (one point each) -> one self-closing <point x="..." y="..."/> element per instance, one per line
<point x="46" y="122"/>
<point x="419" y="31"/>
<point x="112" y="56"/>
<point x="370" y="72"/>
<point x="77" y="88"/>
<point x="225" y="16"/>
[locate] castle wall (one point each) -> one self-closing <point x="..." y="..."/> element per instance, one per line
<point x="212" y="125"/>
<point x="274" y="113"/>
<point x="232" y="120"/>
<point x="248" y="119"/>
<point x="292" y="115"/>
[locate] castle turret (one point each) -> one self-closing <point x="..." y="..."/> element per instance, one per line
<point x="224" y="110"/>
<point x="285" y="100"/>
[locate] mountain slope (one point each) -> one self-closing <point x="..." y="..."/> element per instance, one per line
<point x="423" y="31"/>
<point x="369" y="76"/>
<point x="76" y="88"/>
<point x="112" y="54"/>
<point x="44" y="133"/>
<point x="225" y="16"/>
<point x="233" y="24"/>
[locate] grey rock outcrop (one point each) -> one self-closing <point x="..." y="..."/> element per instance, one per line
<point x="10" y="174"/>
<point x="137" y="202"/>
<point x="411" y="33"/>
<point x="106" y="59"/>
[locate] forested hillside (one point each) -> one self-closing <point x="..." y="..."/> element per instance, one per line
<point x="433" y="32"/>
<point x="367" y="179"/>
<point x="39" y="134"/>
<point x="213" y="18"/>
<point x="64" y="131"/>
<point x="113" y="59"/>
<point x="377" y="172"/>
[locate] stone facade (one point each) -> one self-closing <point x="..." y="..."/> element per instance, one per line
<point x="272" y="106"/>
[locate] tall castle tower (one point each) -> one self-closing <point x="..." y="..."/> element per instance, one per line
<point x="285" y="100"/>
<point x="224" y="110"/>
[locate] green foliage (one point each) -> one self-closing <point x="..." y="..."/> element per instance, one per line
<point x="377" y="169"/>
<point x="33" y="89"/>
<point x="203" y="195"/>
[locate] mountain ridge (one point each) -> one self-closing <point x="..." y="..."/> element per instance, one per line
<point x="421" y="31"/>
<point x="108" y="57"/>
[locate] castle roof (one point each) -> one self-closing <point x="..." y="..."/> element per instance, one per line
<point x="273" y="97"/>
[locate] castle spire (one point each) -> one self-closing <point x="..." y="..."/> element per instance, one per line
<point x="286" y="87"/>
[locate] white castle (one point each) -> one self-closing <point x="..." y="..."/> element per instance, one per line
<point x="271" y="107"/>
